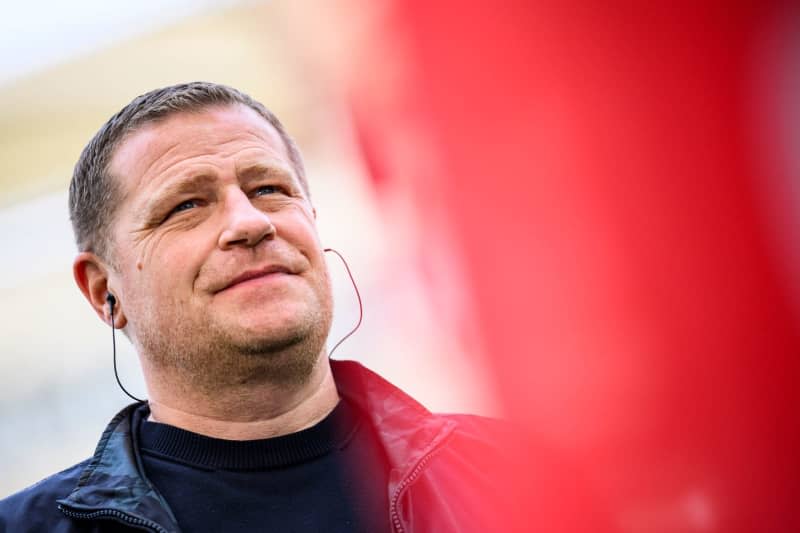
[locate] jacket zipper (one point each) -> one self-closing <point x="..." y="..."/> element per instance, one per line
<point x="398" y="526"/>
<point x="112" y="513"/>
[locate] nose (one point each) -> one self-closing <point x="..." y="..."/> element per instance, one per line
<point x="244" y="224"/>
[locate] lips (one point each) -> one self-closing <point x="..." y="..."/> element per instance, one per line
<point x="254" y="274"/>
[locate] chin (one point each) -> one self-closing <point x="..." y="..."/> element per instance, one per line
<point x="276" y="333"/>
<point x="265" y="344"/>
<point x="260" y="325"/>
<point x="288" y="357"/>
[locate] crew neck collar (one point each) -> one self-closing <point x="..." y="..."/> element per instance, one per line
<point x="172" y="443"/>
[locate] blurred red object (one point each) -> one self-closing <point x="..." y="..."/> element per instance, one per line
<point x="599" y="172"/>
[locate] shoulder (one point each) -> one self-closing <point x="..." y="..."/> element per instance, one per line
<point x="477" y="443"/>
<point x="478" y="425"/>
<point x="34" y="508"/>
<point x="502" y="469"/>
<point x="490" y="432"/>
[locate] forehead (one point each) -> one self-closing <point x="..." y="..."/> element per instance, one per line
<point x="195" y="136"/>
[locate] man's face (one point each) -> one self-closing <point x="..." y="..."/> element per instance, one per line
<point x="217" y="256"/>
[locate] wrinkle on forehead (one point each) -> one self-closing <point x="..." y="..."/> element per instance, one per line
<point x="208" y="136"/>
<point x="160" y="157"/>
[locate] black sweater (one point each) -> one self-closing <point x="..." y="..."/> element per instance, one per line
<point x="329" y="477"/>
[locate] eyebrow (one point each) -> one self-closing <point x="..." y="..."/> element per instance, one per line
<point x="183" y="186"/>
<point x="176" y="187"/>
<point x="261" y="170"/>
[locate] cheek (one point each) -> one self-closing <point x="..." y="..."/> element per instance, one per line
<point x="168" y="262"/>
<point x="298" y="227"/>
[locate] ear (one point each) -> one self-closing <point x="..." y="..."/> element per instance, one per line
<point x="92" y="277"/>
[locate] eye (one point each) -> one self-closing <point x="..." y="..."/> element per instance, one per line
<point x="264" y="190"/>
<point x="183" y="206"/>
<point x="186" y="205"/>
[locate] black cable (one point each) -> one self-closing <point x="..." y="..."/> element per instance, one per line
<point x="111" y="303"/>
<point x="358" y="295"/>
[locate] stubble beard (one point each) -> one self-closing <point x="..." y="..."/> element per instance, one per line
<point x="209" y="358"/>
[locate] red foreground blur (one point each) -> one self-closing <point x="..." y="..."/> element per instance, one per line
<point x="603" y="176"/>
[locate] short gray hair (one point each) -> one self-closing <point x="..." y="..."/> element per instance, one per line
<point x="94" y="193"/>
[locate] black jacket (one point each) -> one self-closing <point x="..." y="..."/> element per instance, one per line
<point x="440" y="479"/>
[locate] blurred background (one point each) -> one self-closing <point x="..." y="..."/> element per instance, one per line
<point x="583" y="218"/>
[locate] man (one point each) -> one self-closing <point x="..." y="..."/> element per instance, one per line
<point x="193" y="220"/>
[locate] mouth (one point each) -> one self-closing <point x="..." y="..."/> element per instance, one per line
<point x="249" y="275"/>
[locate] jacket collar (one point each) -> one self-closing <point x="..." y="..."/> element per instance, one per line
<point x="115" y="479"/>
<point x="406" y="429"/>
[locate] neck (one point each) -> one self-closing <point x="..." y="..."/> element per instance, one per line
<point x="246" y="412"/>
